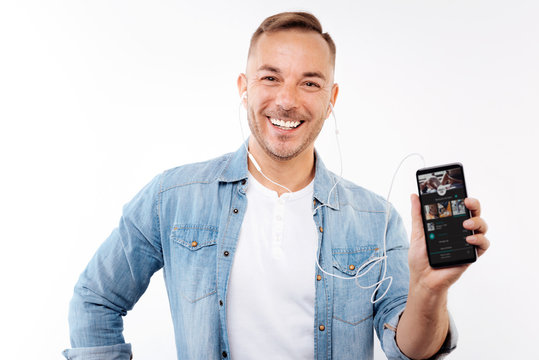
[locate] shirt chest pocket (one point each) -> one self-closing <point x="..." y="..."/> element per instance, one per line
<point x="194" y="261"/>
<point x="355" y="266"/>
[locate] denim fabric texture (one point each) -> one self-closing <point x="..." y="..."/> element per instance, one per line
<point x="187" y="221"/>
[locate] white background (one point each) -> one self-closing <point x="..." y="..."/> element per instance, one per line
<point x="97" y="97"/>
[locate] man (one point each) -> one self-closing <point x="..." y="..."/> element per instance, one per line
<point x="239" y="236"/>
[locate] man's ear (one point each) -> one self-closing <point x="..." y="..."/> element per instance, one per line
<point x="333" y="98"/>
<point x="242" y="88"/>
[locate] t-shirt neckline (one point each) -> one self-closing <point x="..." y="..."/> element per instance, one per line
<point x="273" y="194"/>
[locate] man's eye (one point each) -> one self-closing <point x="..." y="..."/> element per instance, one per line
<point x="311" y="84"/>
<point x="269" y="78"/>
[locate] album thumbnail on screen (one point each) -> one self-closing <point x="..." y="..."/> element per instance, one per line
<point x="441" y="181"/>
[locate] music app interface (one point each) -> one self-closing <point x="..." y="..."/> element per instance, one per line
<point x="442" y="193"/>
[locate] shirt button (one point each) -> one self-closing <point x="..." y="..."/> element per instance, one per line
<point x="318" y="277"/>
<point x="243" y="182"/>
<point x="321" y="328"/>
<point x="321" y="229"/>
<point x="226" y="253"/>
<point x="351" y="267"/>
<point x="220" y="302"/>
<point x="224" y="354"/>
<point x="235" y="211"/>
<point x="194" y="244"/>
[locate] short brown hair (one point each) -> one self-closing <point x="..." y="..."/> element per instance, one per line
<point x="293" y="20"/>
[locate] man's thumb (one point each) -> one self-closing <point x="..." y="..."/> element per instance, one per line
<point x="417" y="221"/>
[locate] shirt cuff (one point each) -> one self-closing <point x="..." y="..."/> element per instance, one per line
<point x="111" y="352"/>
<point x="392" y="351"/>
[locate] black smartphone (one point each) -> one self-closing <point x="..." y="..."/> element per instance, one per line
<point x="442" y="191"/>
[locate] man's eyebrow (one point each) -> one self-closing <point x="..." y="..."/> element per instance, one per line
<point x="314" y="74"/>
<point x="269" y="68"/>
<point x="278" y="71"/>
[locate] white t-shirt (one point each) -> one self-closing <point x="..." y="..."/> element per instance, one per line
<point x="271" y="290"/>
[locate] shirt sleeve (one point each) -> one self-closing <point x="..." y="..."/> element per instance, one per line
<point x="112" y="352"/>
<point x="389" y="309"/>
<point x="114" y="280"/>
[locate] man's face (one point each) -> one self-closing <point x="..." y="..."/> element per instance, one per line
<point x="289" y="85"/>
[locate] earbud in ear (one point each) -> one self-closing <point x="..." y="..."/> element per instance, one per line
<point x="244" y="95"/>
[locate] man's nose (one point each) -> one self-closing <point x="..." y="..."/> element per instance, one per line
<point x="287" y="97"/>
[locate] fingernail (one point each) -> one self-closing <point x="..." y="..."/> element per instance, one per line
<point x="468" y="223"/>
<point x="471" y="238"/>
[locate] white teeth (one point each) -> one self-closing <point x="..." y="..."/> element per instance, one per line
<point x="285" y="124"/>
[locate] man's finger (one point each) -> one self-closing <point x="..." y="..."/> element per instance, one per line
<point x="476" y="224"/>
<point x="473" y="205"/>
<point x="480" y="241"/>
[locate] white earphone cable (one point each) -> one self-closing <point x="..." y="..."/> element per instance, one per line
<point x="371" y="263"/>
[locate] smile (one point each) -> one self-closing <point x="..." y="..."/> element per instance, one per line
<point x="286" y="125"/>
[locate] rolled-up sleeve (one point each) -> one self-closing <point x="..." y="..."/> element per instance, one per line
<point x="113" y="352"/>
<point x="114" y="280"/>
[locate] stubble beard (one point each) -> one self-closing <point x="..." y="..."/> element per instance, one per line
<point x="273" y="151"/>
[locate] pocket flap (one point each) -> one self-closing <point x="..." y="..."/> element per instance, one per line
<point x="194" y="237"/>
<point x="349" y="261"/>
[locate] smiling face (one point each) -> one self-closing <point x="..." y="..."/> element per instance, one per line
<point x="289" y="84"/>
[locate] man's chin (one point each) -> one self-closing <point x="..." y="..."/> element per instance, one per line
<point x="284" y="153"/>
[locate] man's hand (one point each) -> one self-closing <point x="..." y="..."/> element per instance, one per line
<point x="421" y="274"/>
<point x="424" y="324"/>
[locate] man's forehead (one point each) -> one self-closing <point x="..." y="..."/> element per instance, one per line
<point x="287" y="45"/>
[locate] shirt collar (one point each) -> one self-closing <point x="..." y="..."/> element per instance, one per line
<point x="324" y="180"/>
<point x="235" y="169"/>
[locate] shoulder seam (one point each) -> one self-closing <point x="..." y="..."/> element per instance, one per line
<point x="213" y="178"/>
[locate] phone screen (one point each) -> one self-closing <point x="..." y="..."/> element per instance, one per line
<point x="442" y="191"/>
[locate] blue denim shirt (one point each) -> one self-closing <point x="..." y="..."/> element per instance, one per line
<point x="187" y="221"/>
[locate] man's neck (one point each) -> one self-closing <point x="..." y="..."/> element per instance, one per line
<point x="294" y="174"/>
